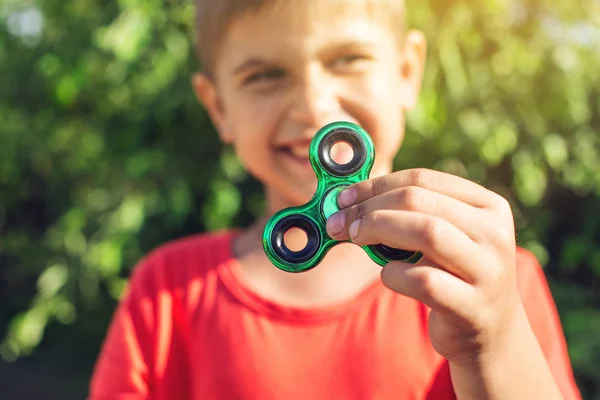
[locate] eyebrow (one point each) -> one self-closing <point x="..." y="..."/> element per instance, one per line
<point x="251" y="62"/>
<point x="255" y="61"/>
<point x="351" y="45"/>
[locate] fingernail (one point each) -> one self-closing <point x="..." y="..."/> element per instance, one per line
<point x="335" y="223"/>
<point x="347" y="197"/>
<point x="353" y="230"/>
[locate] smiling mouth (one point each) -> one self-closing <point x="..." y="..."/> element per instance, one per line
<point x="300" y="157"/>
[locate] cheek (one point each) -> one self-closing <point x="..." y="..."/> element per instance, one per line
<point x="377" y="94"/>
<point x="252" y="121"/>
<point x="390" y="136"/>
<point x="254" y="110"/>
<point x="382" y="103"/>
<point x="253" y="118"/>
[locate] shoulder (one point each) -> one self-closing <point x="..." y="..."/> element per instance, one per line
<point x="530" y="275"/>
<point x="535" y="294"/>
<point x="544" y="320"/>
<point x="205" y="248"/>
<point x="526" y="260"/>
<point x="173" y="265"/>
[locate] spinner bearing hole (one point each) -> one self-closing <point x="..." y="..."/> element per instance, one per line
<point x="357" y="155"/>
<point x="308" y="229"/>
<point x="341" y="153"/>
<point x="295" y="239"/>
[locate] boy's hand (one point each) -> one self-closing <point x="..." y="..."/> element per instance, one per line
<point x="466" y="234"/>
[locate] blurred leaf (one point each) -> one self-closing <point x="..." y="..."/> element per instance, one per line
<point x="52" y="280"/>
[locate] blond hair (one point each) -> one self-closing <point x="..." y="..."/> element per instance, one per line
<point x="213" y="17"/>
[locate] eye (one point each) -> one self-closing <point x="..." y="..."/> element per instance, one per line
<point x="349" y="60"/>
<point x="267" y="75"/>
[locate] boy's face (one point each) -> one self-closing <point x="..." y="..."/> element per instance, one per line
<point x="278" y="79"/>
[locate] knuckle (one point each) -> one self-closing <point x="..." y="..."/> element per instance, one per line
<point x="505" y="237"/>
<point x="501" y="204"/>
<point x="412" y="198"/>
<point x="376" y="221"/>
<point x="427" y="284"/>
<point x="421" y="177"/>
<point x="431" y="231"/>
<point x="377" y="186"/>
<point x="503" y="229"/>
<point x="373" y="219"/>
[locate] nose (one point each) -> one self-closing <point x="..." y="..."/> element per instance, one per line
<point x="315" y="101"/>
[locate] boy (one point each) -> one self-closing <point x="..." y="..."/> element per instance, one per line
<point x="209" y="317"/>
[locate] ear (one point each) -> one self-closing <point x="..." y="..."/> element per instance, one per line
<point x="412" y="67"/>
<point x="206" y="92"/>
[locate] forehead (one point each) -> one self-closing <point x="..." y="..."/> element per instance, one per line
<point x="307" y="26"/>
<point x="303" y="11"/>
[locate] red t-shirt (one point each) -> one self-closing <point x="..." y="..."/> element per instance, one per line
<point x="188" y="328"/>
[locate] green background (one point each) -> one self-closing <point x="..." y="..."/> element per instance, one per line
<point x="105" y="154"/>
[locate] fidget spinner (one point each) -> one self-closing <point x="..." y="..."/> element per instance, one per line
<point x="312" y="216"/>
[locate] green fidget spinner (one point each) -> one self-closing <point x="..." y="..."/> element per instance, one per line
<point x="312" y="216"/>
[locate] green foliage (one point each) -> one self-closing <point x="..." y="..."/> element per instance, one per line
<point x="105" y="153"/>
<point x="511" y="99"/>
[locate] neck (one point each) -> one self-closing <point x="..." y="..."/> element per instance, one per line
<point x="343" y="273"/>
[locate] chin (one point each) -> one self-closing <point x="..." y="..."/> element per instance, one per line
<point x="301" y="198"/>
<point x="301" y="194"/>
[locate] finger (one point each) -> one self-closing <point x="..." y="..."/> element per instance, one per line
<point x="432" y="286"/>
<point x="415" y="198"/>
<point x="439" y="240"/>
<point x="459" y="188"/>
